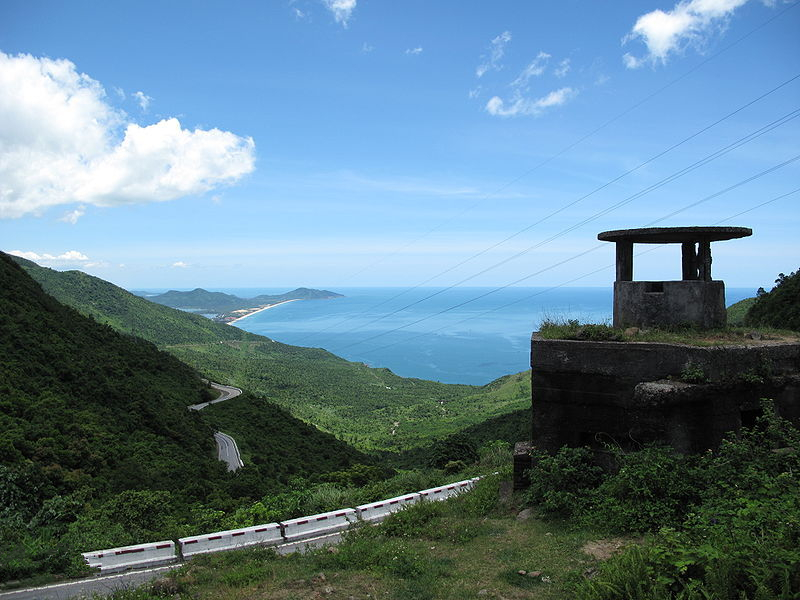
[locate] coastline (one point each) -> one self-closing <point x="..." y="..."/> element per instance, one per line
<point x="258" y="310"/>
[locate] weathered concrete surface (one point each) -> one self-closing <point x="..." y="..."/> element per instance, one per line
<point x="522" y="462"/>
<point x="667" y="303"/>
<point x="588" y="393"/>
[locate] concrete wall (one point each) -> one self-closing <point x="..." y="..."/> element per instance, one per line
<point x="659" y="303"/>
<point x="587" y="393"/>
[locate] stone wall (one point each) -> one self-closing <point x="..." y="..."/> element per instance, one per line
<point x="629" y="393"/>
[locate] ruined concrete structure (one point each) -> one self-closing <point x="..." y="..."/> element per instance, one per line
<point x="587" y="393"/>
<point x="694" y="300"/>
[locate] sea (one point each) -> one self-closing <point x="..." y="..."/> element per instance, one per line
<point x="461" y="335"/>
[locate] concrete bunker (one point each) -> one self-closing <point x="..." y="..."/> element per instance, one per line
<point x="630" y="393"/>
<point x="694" y="300"/>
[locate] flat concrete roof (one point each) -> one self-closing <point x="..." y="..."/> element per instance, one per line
<point x="674" y="235"/>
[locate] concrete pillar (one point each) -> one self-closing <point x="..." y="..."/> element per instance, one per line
<point x="704" y="260"/>
<point x="624" y="261"/>
<point x="689" y="261"/>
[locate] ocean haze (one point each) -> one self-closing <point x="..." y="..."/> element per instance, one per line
<point x="473" y="343"/>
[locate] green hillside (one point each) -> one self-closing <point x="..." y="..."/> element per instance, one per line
<point x="369" y="408"/>
<point x="372" y="409"/>
<point x="738" y="311"/>
<point x="780" y="307"/>
<point x="125" y="312"/>
<point x="98" y="448"/>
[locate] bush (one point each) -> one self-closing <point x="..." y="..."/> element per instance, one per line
<point x="457" y="447"/>
<point x="653" y="488"/>
<point x="740" y="536"/>
<point x="561" y="484"/>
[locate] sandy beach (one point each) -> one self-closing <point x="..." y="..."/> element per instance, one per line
<point x="262" y="308"/>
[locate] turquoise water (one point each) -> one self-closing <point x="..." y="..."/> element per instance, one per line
<point x="462" y="335"/>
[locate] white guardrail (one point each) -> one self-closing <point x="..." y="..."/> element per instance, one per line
<point x="271" y="534"/>
<point x="132" y="557"/>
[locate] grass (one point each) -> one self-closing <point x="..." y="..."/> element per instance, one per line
<point x="462" y="548"/>
<point x="575" y="330"/>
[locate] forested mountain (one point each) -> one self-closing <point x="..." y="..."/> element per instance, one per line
<point x="98" y="448"/>
<point x="125" y="312"/>
<point x="200" y="299"/>
<point x="367" y="407"/>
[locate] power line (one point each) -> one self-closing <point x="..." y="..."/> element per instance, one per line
<point x="585" y="275"/>
<point x="577" y="142"/>
<point x="518" y="281"/>
<point x="681" y="172"/>
<point x="614" y="180"/>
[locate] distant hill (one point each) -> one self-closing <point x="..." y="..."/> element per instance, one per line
<point x="219" y="302"/>
<point x="125" y="312"/>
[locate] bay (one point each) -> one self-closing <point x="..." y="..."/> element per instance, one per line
<point x="460" y="335"/>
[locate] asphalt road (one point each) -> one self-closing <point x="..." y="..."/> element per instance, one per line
<point x="228" y="451"/>
<point x="228" y="392"/>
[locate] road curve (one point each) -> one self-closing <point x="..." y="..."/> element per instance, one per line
<point x="228" y="451"/>
<point x="228" y="392"/>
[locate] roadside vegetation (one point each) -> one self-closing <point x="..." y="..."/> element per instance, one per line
<point x="722" y="525"/>
<point x="98" y="449"/>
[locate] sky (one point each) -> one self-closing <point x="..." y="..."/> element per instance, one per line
<point x="327" y="143"/>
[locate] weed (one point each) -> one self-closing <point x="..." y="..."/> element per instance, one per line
<point x="693" y="373"/>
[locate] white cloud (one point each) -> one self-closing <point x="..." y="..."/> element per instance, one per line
<point x="497" y="49"/>
<point x="72" y="216"/>
<point x="417" y="50"/>
<point x="61" y="142"/>
<point x="342" y="10"/>
<point x="143" y="99"/>
<point x="68" y="256"/>
<point x="299" y="14"/>
<point x="365" y="47"/>
<point x="688" y="23"/>
<point x="534" y="69"/>
<point x="529" y="106"/>
<point x="474" y="93"/>
<point x="562" y="69"/>
<point x="180" y="265"/>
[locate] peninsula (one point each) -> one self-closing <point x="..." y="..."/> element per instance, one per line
<point x="228" y="308"/>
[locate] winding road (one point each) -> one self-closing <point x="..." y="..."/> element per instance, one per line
<point x="227" y="450"/>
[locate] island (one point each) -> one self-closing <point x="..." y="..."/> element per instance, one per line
<point x="227" y="308"/>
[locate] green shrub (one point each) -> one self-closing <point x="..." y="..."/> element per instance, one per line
<point x="561" y="483"/>
<point x="457" y="447"/>
<point x="654" y="487"/>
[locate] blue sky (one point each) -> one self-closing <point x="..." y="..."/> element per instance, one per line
<point x="356" y="142"/>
